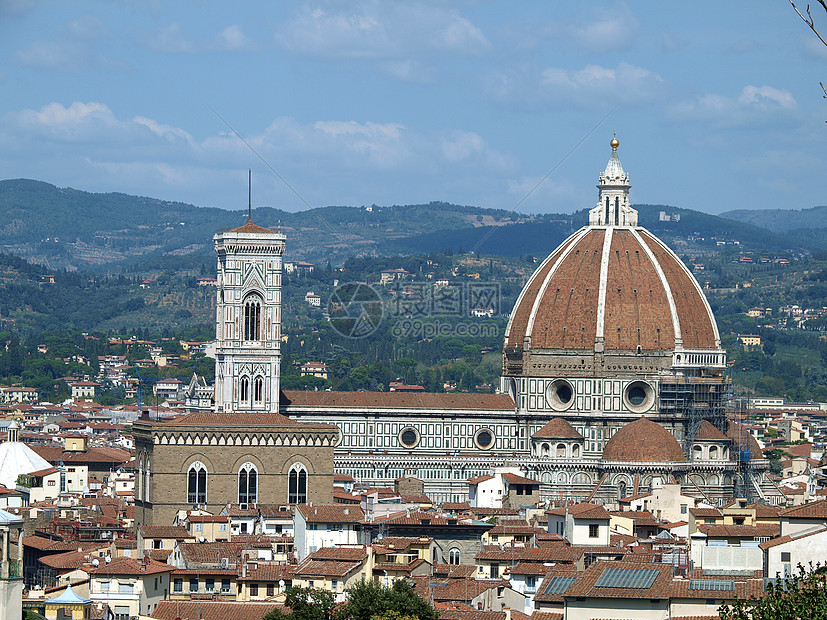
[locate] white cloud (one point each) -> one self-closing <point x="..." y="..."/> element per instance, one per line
<point x="233" y="39"/>
<point x="752" y="105"/>
<point x="608" y="29"/>
<point x="72" y="48"/>
<point x="69" y="122"/>
<point x="170" y="39"/>
<point x="324" y="158"/>
<point x="593" y="86"/>
<point x="381" y="31"/>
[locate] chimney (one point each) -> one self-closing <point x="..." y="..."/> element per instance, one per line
<point x="507" y="611"/>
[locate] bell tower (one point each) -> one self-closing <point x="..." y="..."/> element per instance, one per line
<point x="248" y="318"/>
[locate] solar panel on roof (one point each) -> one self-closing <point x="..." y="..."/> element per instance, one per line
<point x="559" y="584"/>
<point x="720" y="585"/>
<point x="637" y="578"/>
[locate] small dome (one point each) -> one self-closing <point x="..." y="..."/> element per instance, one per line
<point x="707" y="431"/>
<point x="643" y="441"/>
<point x="557" y="428"/>
<point x="740" y="436"/>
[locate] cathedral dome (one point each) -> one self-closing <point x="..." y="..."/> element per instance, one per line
<point x="612" y="286"/>
<point x="643" y="441"/>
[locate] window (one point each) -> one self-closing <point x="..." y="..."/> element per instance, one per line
<point x="253" y="589"/>
<point x="244" y="392"/>
<point x="594" y="530"/>
<point x="785" y="556"/>
<point x="225" y="586"/>
<point x="197" y="484"/>
<point x="157" y="544"/>
<point x="125" y="587"/>
<point x="297" y="484"/>
<point x="334" y="584"/>
<point x="495" y="570"/>
<point x="247" y="484"/>
<point x="271" y="589"/>
<point x="199" y="527"/>
<point x="210" y="585"/>
<point x="683" y="509"/>
<point x="194" y="584"/>
<point x="104" y="586"/>
<point x="252" y="317"/>
<point x="258" y="390"/>
<point x="453" y="555"/>
<point x="223" y="527"/>
<point x="178" y="585"/>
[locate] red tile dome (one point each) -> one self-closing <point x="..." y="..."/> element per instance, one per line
<point x="643" y="441"/>
<point x="621" y="286"/>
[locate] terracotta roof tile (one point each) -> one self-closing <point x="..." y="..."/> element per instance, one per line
<point x="812" y="510"/>
<point x="214" y="610"/>
<point x="708" y="432"/>
<point x="331" y="513"/>
<point x="558" y="428"/>
<point x="397" y="400"/>
<point x="643" y="441"/>
<point x="131" y="566"/>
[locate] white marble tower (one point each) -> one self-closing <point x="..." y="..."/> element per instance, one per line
<point x="248" y="319"/>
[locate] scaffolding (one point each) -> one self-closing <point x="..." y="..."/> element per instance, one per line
<point x="694" y="399"/>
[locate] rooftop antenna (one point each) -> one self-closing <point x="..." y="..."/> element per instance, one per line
<point x="250" y="194"/>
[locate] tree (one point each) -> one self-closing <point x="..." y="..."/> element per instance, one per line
<point x="811" y="23"/>
<point x="305" y="604"/>
<point x="370" y="599"/>
<point x="801" y="595"/>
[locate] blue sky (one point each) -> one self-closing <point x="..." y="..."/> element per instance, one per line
<point x="716" y="104"/>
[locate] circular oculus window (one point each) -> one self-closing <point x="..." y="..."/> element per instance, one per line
<point x="484" y="438"/>
<point x="560" y="394"/>
<point x="409" y="437"/>
<point x="639" y="396"/>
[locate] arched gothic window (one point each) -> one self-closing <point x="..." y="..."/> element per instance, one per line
<point x="258" y="390"/>
<point x="575" y="451"/>
<point x="244" y="392"/>
<point x="252" y="317"/>
<point x="453" y="555"/>
<point x="297" y="485"/>
<point x="561" y="450"/>
<point x="247" y="484"/>
<point x="140" y="477"/>
<point x="544" y="450"/>
<point x="146" y="481"/>
<point x="197" y="483"/>
<point x="697" y="453"/>
<point x="713" y="453"/>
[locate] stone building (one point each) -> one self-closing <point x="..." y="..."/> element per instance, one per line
<point x="613" y="380"/>
<point x="244" y="451"/>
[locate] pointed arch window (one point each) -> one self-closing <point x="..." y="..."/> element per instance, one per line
<point x="247" y="484"/>
<point x="297" y="484"/>
<point x="146" y="480"/>
<point x="140" y="477"/>
<point x="252" y="317"/>
<point x="244" y="391"/>
<point x="258" y="390"/>
<point x="197" y="483"/>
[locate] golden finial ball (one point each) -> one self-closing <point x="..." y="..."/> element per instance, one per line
<point x="615" y="143"/>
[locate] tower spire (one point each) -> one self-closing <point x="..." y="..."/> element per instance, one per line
<point x="250" y="194"/>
